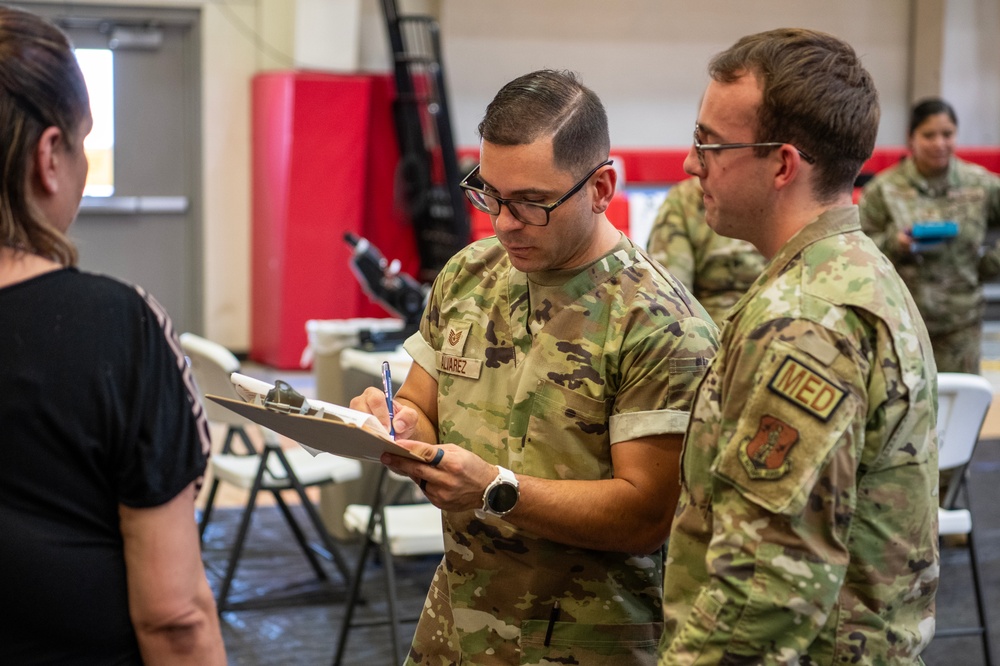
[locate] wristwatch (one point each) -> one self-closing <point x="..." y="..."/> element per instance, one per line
<point x="502" y="494"/>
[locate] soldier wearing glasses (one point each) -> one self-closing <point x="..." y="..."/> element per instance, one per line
<point x="554" y="371"/>
<point x="806" y="528"/>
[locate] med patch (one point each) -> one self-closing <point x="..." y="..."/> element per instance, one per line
<point x="806" y="388"/>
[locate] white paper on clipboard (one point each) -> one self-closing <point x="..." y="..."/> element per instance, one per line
<point x="327" y="427"/>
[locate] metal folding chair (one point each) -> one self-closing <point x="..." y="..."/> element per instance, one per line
<point x="397" y="530"/>
<point x="273" y="469"/>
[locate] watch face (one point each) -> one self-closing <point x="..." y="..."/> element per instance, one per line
<point x="502" y="498"/>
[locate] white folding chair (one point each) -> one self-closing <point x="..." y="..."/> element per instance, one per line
<point x="398" y="530"/>
<point x="211" y="364"/>
<point x="272" y="469"/>
<point x="963" y="401"/>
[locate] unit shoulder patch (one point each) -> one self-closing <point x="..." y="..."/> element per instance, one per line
<point x="765" y="455"/>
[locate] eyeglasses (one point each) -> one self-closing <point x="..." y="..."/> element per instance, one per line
<point x="700" y="147"/>
<point x="526" y="212"/>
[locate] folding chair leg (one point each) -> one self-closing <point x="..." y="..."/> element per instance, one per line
<point x="352" y="601"/>
<point x="390" y="585"/>
<point x="300" y="536"/>
<point x="974" y="565"/>
<point x="359" y="572"/>
<point x="241" y="535"/>
<point x="231" y="432"/>
<point x="332" y="551"/>
<point x="237" y="431"/>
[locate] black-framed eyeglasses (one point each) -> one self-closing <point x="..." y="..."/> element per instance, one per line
<point x="700" y="147"/>
<point x="526" y="212"/>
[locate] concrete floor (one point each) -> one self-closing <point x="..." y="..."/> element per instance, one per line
<point x="286" y="615"/>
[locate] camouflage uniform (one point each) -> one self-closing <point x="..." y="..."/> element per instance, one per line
<point x="717" y="270"/>
<point x="611" y="353"/>
<point x="945" y="279"/>
<point x="806" y="530"/>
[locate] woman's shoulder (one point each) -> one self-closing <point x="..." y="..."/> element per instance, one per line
<point x="108" y="298"/>
<point x="974" y="174"/>
<point x="99" y="284"/>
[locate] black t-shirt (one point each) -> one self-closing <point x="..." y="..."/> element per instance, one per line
<point x="97" y="409"/>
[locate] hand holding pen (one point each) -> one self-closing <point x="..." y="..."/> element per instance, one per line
<point x="387" y="389"/>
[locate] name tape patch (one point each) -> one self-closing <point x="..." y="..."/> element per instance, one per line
<point x="806" y="388"/>
<point x="458" y="365"/>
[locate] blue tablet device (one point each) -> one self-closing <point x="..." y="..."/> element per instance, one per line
<point x="934" y="230"/>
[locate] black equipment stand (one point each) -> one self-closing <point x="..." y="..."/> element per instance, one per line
<point x="428" y="176"/>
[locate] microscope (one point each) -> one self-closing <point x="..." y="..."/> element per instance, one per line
<point x="397" y="292"/>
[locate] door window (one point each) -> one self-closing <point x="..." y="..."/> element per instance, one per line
<point x="98" y="67"/>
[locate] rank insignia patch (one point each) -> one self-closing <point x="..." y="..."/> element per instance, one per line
<point x="765" y="455"/>
<point x="807" y="389"/>
<point x="455" y="339"/>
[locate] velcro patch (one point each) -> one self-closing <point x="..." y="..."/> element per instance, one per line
<point x="804" y="387"/>
<point x="458" y="365"/>
<point x="765" y="455"/>
<point x="455" y="338"/>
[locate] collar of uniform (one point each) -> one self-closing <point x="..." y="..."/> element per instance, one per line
<point x="833" y="222"/>
<point x="621" y="255"/>
<point x="924" y="185"/>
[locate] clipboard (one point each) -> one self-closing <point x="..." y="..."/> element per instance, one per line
<point x="354" y="435"/>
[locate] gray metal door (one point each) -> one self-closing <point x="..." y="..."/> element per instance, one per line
<point x="149" y="233"/>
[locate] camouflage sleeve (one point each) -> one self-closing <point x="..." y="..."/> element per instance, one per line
<point x="661" y="374"/>
<point x="669" y="243"/>
<point x="782" y="500"/>
<point x="421" y="346"/>
<point x="421" y="353"/>
<point x="876" y="221"/>
<point x="989" y="264"/>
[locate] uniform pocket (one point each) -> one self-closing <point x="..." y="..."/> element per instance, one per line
<point x="567" y="435"/>
<point x="688" y="644"/>
<point x="590" y="644"/>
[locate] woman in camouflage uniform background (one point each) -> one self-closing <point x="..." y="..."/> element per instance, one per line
<point x="945" y="278"/>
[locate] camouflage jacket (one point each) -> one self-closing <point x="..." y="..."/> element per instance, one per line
<point x="717" y="270"/>
<point x="807" y="527"/>
<point x="944" y="278"/>
<point x="616" y="355"/>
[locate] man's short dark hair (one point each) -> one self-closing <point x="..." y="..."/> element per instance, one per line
<point x="550" y="103"/>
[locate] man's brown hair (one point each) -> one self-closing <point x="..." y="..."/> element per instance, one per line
<point x="817" y="96"/>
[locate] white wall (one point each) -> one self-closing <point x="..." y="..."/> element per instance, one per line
<point x="647" y="58"/>
<point x="970" y="69"/>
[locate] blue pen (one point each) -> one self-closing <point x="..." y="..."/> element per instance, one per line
<point x="387" y="389"/>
